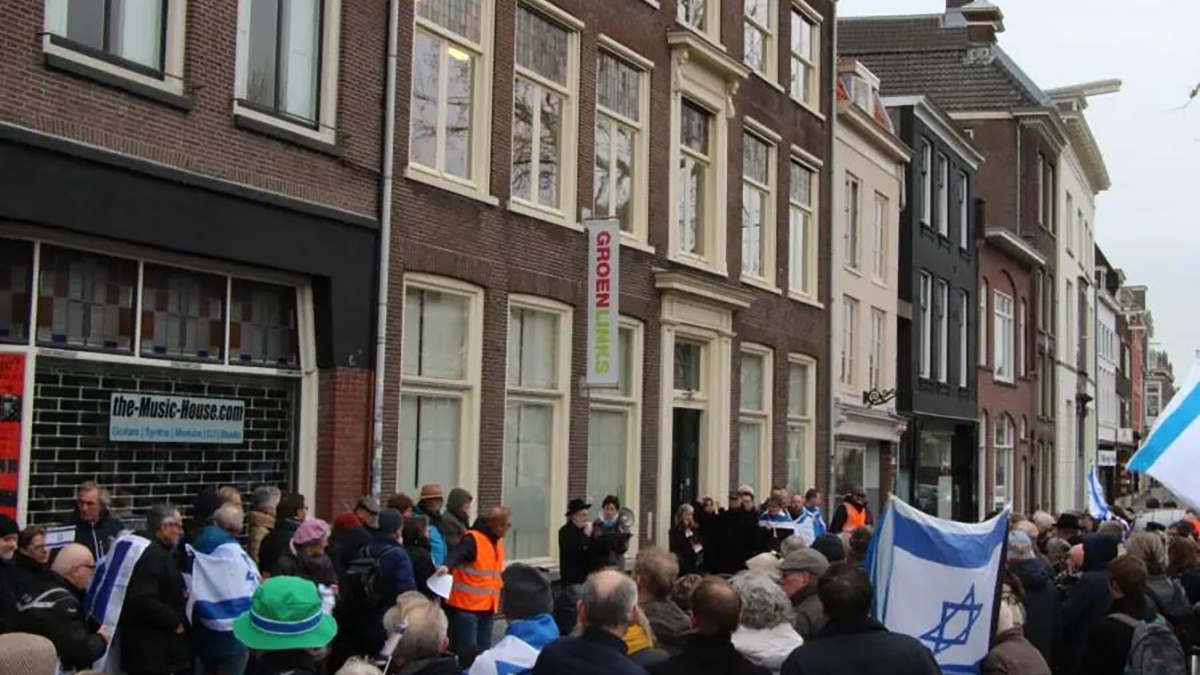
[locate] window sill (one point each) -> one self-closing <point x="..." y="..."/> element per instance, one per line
<point x="629" y="241"/>
<point x="653" y="3"/>
<point x="879" y="283"/>
<point x="697" y="263"/>
<point x="766" y="78"/>
<point x="852" y="270"/>
<point x="533" y="212"/>
<point x="706" y="36"/>
<point x="811" y="110"/>
<point x="67" y="60"/>
<point x="804" y="299"/>
<point x="420" y="176"/>
<point x="251" y="120"/>
<point x="761" y="284"/>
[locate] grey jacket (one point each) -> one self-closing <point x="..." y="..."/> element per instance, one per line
<point x="810" y="614"/>
<point x="670" y="624"/>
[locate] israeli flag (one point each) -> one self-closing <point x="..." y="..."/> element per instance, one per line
<point x="221" y="586"/>
<point x="1171" y="454"/>
<point x="106" y="594"/>
<point x="936" y="580"/>
<point x="810" y="525"/>
<point x="1097" y="504"/>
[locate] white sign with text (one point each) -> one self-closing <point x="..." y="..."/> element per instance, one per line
<point x="148" y="418"/>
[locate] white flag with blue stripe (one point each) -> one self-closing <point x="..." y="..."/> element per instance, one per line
<point x="1097" y="503"/>
<point x="1171" y="453"/>
<point x="106" y="593"/>
<point x="221" y="586"/>
<point x="936" y="580"/>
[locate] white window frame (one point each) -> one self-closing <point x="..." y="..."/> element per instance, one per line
<point x="478" y="187"/>
<point x="925" y="316"/>
<point x="768" y="236"/>
<point x="1002" y="457"/>
<point x="964" y="210"/>
<point x="803" y="422"/>
<point x="1041" y="190"/>
<point x="984" y="342"/>
<point x="770" y="33"/>
<point x="964" y="358"/>
<point x="174" y="46"/>
<point x="878" y="347"/>
<point x="943" y="190"/>
<point x="639" y="237"/>
<point x="712" y="21"/>
<point x="1004" y="333"/>
<point x="560" y="398"/>
<point x="848" y="375"/>
<point x="612" y="400"/>
<point x="326" y="129"/>
<point x="926" y="183"/>
<point x="879" y="239"/>
<point x="805" y="250"/>
<point x="466" y="390"/>
<point x="1022" y="337"/>
<point x="808" y="99"/>
<point x="943" y="317"/>
<point x="852" y="234"/>
<point x="1070" y="225"/>
<point x="763" y="417"/>
<point x="983" y="448"/>
<point x="566" y="213"/>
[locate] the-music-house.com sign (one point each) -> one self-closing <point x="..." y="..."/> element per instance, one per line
<point x="145" y="418"/>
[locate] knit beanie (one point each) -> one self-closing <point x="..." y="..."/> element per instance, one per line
<point x="8" y="526"/>
<point x="27" y="654"/>
<point x="526" y="592"/>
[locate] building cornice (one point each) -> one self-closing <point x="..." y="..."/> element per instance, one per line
<point x="937" y="121"/>
<point x="884" y="140"/>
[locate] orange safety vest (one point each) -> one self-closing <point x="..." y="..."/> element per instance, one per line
<point x="477" y="583"/>
<point x="855" y="517"/>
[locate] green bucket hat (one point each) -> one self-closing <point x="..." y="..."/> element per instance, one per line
<point x="285" y="614"/>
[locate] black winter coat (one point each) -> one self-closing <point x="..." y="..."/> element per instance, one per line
<point x="422" y="563"/>
<point x="1109" y="642"/>
<point x="8" y="596"/>
<point x="574" y="554"/>
<point x="596" y="652"/>
<point x="684" y="548"/>
<point x="864" y="647"/>
<point x="153" y="611"/>
<point x="709" y="655"/>
<point x="1043" y="613"/>
<point x="287" y="662"/>
<point x="53" y="608"/>
<point x="442" y="664"/>
<point x="1086" y="604"/>
<point x="97" y="537"/>
<point x="275" y="544"/>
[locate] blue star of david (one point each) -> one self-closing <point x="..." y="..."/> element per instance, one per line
<point x="936" y="636"/>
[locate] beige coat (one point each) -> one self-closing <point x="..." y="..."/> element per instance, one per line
<point x="260" y="525"/>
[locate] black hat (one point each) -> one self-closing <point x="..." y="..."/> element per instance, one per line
<point x="830" y="546"/>
<point x="1068" y="521"/>
<point x="8" y="526"/>
<point x="577" y="505"/>
<point x="526" y="592"/>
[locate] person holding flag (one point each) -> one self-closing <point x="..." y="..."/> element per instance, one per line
<point x="220" y="589"/>
<point x="810" y="522"/>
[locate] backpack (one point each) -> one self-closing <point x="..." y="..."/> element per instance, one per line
<point x="358" y="590"/>
<point x="1154" y="649"/>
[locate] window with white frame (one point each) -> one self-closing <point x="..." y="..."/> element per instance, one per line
<point x="1022" y="336"/>
<point x="1049" y="201"/>
<point x="943" y="339"/>
<point x="621" y="142"/>
<point x="849" y="339"/>
<point x="129" y="34"/>
<point x="983" y="323"/>
<point x="1002" y="461"/>
<point x="1041" y="191"/>
<point x="851" y="237"/>
<point x="1040" y="299"/>
<point x="943" y="187"/>
<point x="964" y="357"/>
<point x="544" y="92"/>
<point x="1069" y="225"/>
<point x="288" y="60"/>
<point x="440" y="380"/>
<point x="802" y="230"/>
<point x="614" y="424"/>
<point x="1003" y="340"/>
<point x="879" y="226"/>
<point x="964" y="210"/>
<point x="758" y="212"/>
<point x="450" y="123"/>
<point x="760" y="52"/>
<point x="702" y="15"/>
<point x="696" y="181"/>
<point x="878" y="338"/>
<point x="1079" y="227"/>
<point x="925" y="317"/>
<point x="802" y="383"/>
<point x="983" y="436"/>
<point x="535" y="433"/>
<point x="806" y="56"/>
<point x="926" y="183"/>
<point x="754" y="427"/>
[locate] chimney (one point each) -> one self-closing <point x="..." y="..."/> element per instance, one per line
<point x="982" y="19"/>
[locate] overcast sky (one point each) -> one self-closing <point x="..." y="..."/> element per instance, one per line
<point x="1147" y="222"/>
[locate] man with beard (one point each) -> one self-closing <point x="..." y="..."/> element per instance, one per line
<point x="430" y="505"/>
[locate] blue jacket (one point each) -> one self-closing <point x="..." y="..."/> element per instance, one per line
<point x="395" y="568"/>
<point x="437" y="543"/>
<point x="211" y="645"/>
<point x="518" y="651"/>
<point x="596" y="652"/>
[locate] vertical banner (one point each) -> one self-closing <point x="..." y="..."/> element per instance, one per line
<point x="603" y="294"/>
<point x="12" y="391"/>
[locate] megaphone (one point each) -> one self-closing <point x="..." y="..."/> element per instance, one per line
<point x="626" y="519"/>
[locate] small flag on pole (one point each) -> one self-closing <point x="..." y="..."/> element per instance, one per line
<point x="1171" y="455"/>
<point x="1097" y="504"/>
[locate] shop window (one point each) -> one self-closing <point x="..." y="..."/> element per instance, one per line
<point x="262" y="325"/>
<point x="16" y="264"/>
<point x="849" y="467"/>
<point x="86" y="300"/>
<point x="183" y="314"/>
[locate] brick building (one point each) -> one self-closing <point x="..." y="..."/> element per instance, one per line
<point x="705" y="128"/>
<point x="188" y="209"/>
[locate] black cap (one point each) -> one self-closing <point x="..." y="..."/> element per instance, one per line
<point x="1068" y="521"/>
<point x="8" y="526"/>
<point x="526" y="592"/>
<point x="577" y="505"/>
<point x="390" y="521"/>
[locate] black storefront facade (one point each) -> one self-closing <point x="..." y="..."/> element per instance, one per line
<point x="122" y="276"/>
<point x="937" y="347"/>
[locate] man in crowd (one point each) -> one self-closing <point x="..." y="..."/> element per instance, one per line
<point x="286" y="628"/>
<point x="395" y="576"/>
<point x="261" y="519"/>
<point x="1043" y="613"/>
<point x="291" y="512"/>
<point x="94" y="527"/>
<point x="655" y="572"/>
<point x="430" y="505"/>
<point x="575" y="562"/>
<point x="800" y="572"/>
<point x="810" y="521"/>
<point x="852" y="513"/>
<point x="10" y="533"/>
<point x="1110" y="640"/>
<point x="608" y="607"/>
<point x="353" y="530"/>
<point x="422" y="649"/>
<point x="1086" y="604"/>
<point x="526" y="601"/>
<point x="776" y="524"/>
<point x="153" y="626"/>
<point x="1068" y="527"/>
<point x="860" y="544"/>
<point x="853" y="642"/>
<point x="53" y="608"/>
<point x="222" y="575"/>
<point x="475" y="597"/>
<point x="716" y="611"/>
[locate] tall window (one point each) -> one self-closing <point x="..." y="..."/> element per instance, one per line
<point x="963" y="342"/>
<point x="448" y="82"/>
<point x="543" y="120"/>
<point x="1004" y="336"/>
<point x="614" y="424"/>
<point x="802" y="234"/>
<point x="1069" y="225"/>
<point x="757" y="207"/>
<point x="283" y="58"/>
<point x="760" y="37"/>
<point x="695" y="179"/>
<point x="1002" y="460"/>
<point x="943" y="214"/>
<point x="983" y="436"/>
<point x="943" y="316"/>
<point x="983" y="323"/>
<point x="16" y="269"/>
<point x="800" y="428"/>
<point x="926" y="183"/>
<point x="806" y="37"/>
<point x="1022" y="337"/>
<point x="440" y="382"/>
<point x="1041" y="191"/>
<point x="1049" y="200"/>
<point x="1052" y="304"/>
<point x="130" y="32"/>
<point x="878" y="333"/>
<point x="1040" y="299"/>
<point x="926" y="322"/>
<point x="879" y="239"/>
<point x="853" y="208"/>
<point x="964" y="210"/>
<point x="849" y="339"/>
<point x="754" y="447"/>
<point x="619" y="141"/>
<point x="535" y="427"/>
<point x="694" y="13"/>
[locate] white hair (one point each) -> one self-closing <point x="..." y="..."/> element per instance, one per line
<point x="265" y="498"/>
<point x="358" y="666"/>
<point x="229" y="518"/>
<point x="764" y="604"/>
<point x="425" y="635"/>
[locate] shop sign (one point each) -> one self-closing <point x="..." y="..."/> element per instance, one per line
<point x="603" y="294"/>
<point x="1106" y="457"/>
<point x="12" y="391"/>
<point x="146" y="418"/>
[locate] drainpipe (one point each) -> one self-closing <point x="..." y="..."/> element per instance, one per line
<point x="830" y="498"/>
<point x="385" y="245"/>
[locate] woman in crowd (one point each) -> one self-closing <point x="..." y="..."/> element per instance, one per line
<point x="415" y="536"/>
<point x="686" y="542"/>
<point x="1183" y="556"/>
<point x="1167" y="594"/>
<point x="32" y="554"/>
<point x="306" y="558"/>
<point x="765" y="634"/>
<point x="611" y="541"/>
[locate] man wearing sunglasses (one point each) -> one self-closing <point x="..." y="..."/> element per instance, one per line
<point x="54" y="609"/>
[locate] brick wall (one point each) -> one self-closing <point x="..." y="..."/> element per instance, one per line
<point x="343" y="438"/>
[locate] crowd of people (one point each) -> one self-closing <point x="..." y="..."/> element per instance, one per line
<point x="409" y="588"/>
